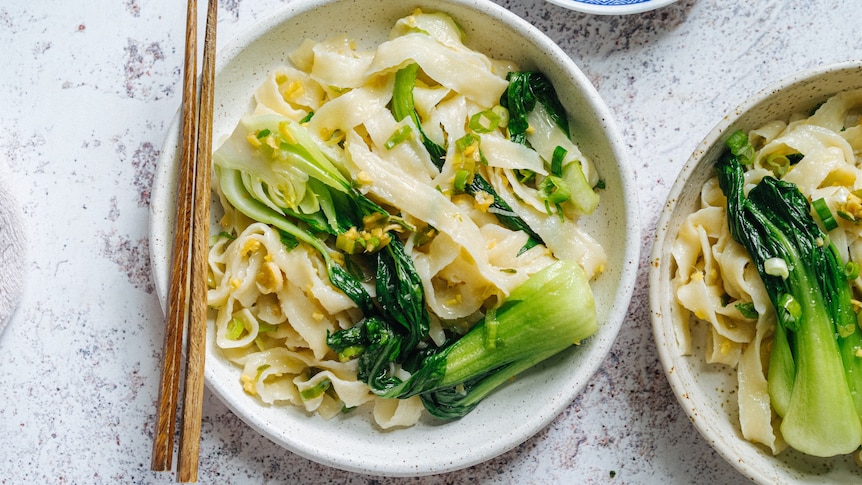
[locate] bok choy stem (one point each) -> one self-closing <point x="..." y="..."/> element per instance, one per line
<point x="230" y="182"/>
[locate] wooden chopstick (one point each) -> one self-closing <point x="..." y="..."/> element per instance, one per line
<point x="163" y="439"/>
<point x="188" y="285"/>
<point x="196" y="351"/>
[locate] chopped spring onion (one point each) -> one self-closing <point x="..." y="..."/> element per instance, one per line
<point x="739" y="146"/>
<point x="557" y="161"/>
<point x="848" y="216"/>
<point x="851" y="269"/>
<point x="215" y="237"/>
<point x="485" y="121"/>
<point x="777" y="163"/>
<point x="461" y="178"/>
<point x="467" y="156"/>
<point x="424" y="236"/>
<point x="825" y="214"/>
<point x="468" y="141"/>
<point x="554" y="190"/>
<point x="525" y="176"/>
<point x="503" y="113"/>
<point x="260" y="371"/>
<point x="235" y="328"/>
<point x="788" y="304"/>
<point x="316" y="390"/>
<point x="776" y="267"/>
<point x="747" y="309"/>
<point x="401" y="134"/>
<point x="347" y="242"/>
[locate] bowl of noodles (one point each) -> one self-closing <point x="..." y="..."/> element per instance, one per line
<point x="272" y="305"/>
<point x="713" y="318"/>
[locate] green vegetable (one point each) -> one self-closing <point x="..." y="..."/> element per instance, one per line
<point x="553" y="190"/>
<point x="815" y="370"/>
<point x="503" y="211"/>
<point x="340" y="208"/>
<point x="778" y="163"/>
<point x="282" y="168"/>
<point x="546" y="314"/>
<point x="400" y="296"/>
<point x="825" y="214"/>
<point x="739" y="146"/>
<point x="402" y="106"/>
<point x="557" y="161"/>
<point x="316" y="390"/>
<point x="460" y="182"/>
<point x="235" y="329"/>
<point x="584" y="197"/>
<point x="400" y="135"/>
<point x="485" y="121"/>
<point x="527" y="90"/>
<point x="230" y="182"/>
<point x="851" y="270"/>
<point x="747" y="309"/>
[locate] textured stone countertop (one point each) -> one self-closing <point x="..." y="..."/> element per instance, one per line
<point x="87" y="94"/>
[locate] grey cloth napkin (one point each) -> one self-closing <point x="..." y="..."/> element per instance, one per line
<point x="12" y="248"/>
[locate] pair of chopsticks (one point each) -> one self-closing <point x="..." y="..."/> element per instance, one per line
<point x="188" y="284"/>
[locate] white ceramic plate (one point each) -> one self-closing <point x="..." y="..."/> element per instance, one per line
<point x="708" y="392"/>
<point x="612" y="7"/>
<point x="520" y="409"/>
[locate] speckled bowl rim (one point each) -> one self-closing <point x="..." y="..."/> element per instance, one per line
<point x="605" y="9"/>
<point x="523" y="407"/>
<point x="692" y="380"/>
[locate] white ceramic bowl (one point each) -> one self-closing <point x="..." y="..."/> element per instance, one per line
<point x="708" y="392"/>
<point x="519" y="409"/>
<point x="611" y="7"/>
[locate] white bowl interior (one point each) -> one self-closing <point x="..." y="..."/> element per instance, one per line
<point x="520" y="409"/>
<point x="708" y="392"/>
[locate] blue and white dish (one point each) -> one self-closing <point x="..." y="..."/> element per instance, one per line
<point x="612" y="7"/>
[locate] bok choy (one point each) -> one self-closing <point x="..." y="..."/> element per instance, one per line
<point x="815" y="365"/>
<point x="272" y="171"/>
<point x="537" y="118"/>
<point x="548" y="313"/>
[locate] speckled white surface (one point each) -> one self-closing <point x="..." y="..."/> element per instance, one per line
<point x="87" y="93"/>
